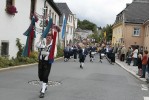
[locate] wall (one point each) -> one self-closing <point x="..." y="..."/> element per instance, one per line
<point x="129" y="39"/>
<point x="117" y="34"/>
<point x="13" y="27"/>
<point x="146" y="37"/>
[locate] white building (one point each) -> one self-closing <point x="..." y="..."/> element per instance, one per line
<point x="13" y="26"/>
<point x="71" y="23"/>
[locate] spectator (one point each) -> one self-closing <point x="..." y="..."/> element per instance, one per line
<point x="144" y="63"/>
<point x="135" y="56"/>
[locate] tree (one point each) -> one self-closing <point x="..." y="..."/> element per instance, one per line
<point x="87" y="25"/>
<point x="108" y="30"/>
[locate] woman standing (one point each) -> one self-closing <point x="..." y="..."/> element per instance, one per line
<point x="139" y="63"/>
<point x="45" y="62"/>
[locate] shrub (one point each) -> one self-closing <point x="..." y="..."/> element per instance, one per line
<point x="34" y="55"/>
<point x="60" y="52"/>
<point x="4" y="62"/>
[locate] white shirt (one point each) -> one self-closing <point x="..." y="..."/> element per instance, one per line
<point x="135" y="53"/>
<point x="45" y="49"/>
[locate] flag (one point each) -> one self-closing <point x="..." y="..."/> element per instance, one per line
<point x="30" y="33"/>
<point x="105" y="34"/>
<point x="63" y="26"/>
<point x="51" y="55"/>
<point x="46" y="31"/>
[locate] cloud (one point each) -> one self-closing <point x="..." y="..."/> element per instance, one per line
<point x="100" y="12"/>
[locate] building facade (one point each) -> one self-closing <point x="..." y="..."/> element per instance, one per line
<point x="128" y="28"/>
<point x="16" y="18"/>
<point x="71" y="23"/>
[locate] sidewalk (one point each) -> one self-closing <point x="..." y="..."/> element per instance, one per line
<point x="131" y="69"/>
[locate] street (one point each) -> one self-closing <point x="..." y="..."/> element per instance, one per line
<point x="96" y="81"/>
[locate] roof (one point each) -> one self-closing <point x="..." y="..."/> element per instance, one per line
<point x="53" y="5"/>
<point x="136" y="12"/>
<point x="64" y="9"/>
<point x="146" y="22"/>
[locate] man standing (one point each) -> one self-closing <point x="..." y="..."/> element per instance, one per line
<point x="46" y="58"/>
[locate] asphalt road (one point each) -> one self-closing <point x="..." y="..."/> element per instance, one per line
<point x="96" y="81"/>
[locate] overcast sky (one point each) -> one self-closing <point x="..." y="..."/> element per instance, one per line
<point x="100" y="12"/>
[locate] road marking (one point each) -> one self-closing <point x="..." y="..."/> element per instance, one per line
<point x="144" y="87"/>
<point x="146" y="98"/>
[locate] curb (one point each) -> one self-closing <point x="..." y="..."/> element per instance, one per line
<point x="131" y="72"/>
<point x="20" y="66"/>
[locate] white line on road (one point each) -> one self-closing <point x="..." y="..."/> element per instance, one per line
<point x="146" y="98"/>
<point x="144" y="87"/>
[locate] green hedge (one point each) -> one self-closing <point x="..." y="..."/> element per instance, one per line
<point x="5" y="62"/>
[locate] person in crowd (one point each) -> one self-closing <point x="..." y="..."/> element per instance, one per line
<point x="71" y="51"/>
<point x="123" y="53"/>
<point x="112" y="55"/>
<point x="92" y="50"/>
<point x="75" y="52"/>
<point x="139" y="63"/>
<point x="107" y="50"/>
<point x="119" y="52"/>
<point x="82" y="55"/>
<point x="144" y="63"/>
<point x="67" y="53"/>
<point x="101" y="53"/>
<point x="129" y="56"/>
<point x="110" y="50"/>
<point x="135" y="56"/>
<point x="46" y="58"/>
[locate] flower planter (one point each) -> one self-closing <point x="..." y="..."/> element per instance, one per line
<point x="10" y="9"/>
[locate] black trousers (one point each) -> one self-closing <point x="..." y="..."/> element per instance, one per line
<point x="112" y="57"/>
<point x="44" y="68"/>
<point x="100" y="56"/>
<point x="82" y="59"/>
<point x="75" y="56"/>
<point x="122" y="57"/>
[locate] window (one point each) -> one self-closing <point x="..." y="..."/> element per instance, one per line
<point x="53" y="16"/>
<point x="68" y="18"/>
<point x="55" y="19"/>
<point x="46" y="12"/>
<point x="136" y="32"/>
<point x="4" y="48"/>
<point x="50" y="13"/>
<point x="9" y="2"/>
<point x="147" y="30"/>
<point x="71" y="30"/>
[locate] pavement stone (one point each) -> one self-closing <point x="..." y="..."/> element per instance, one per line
<point x="131" y="69"/>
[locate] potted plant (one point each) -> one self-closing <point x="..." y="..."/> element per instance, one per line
<point x="10" y="9"/>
